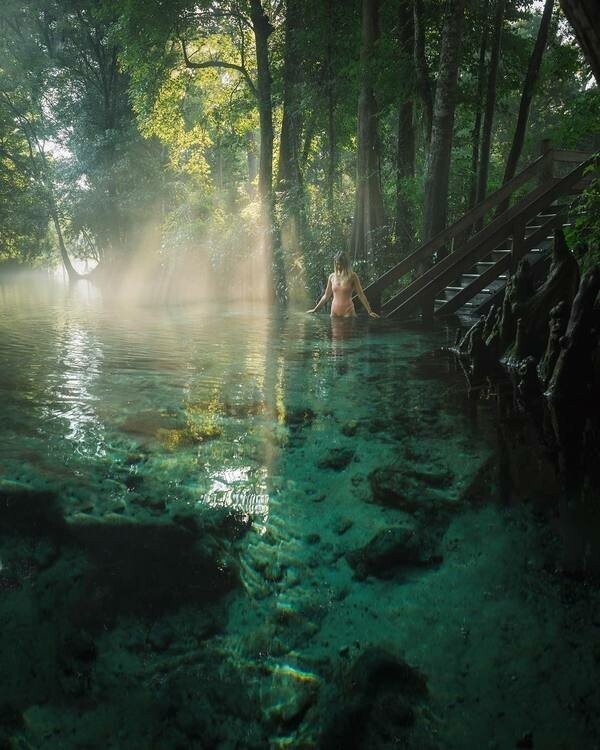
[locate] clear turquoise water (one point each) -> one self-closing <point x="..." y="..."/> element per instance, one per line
<point x="143" y="423"/>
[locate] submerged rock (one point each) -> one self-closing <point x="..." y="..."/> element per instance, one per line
<point x="373" y="703"/>
<point x="299" y="417"/>
<point x="390" y="549"/>
<point x="350" y="428"/>
<point x="342" y="525"/>
<point x="408" y="487"/>
<point x="29" y="511"/>
<point x="335" y="458"/>
<point x="146" y="568"/>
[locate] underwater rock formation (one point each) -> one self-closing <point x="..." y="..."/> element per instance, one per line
<point x="375" y="701"/>
<point x="336" y="458"/>
<point x="390" y="549"/>
<point x="408" y="488"/>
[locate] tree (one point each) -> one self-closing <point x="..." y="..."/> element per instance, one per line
<point x="406" y="154"/>
<point x="368" y="213"/>
<point x="438" y="162"/>
<point x="490" y="102"/>
<point x="583" y="17"/>
<point x="289" y="177"/>
<point x="476" y="136"/>
<point x="528" y="91"/>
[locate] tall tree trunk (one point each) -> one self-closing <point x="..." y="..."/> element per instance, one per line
<point x="490" y="102"/>
<point x="584" y="18"/>
<point x="478" y="104"/>
<point x="405" y="158"/>
<point x="262" y="30"/>
<point x="289" y="178"/>
<point x="331" y="105"/>
<point x="368" y="213"/>
<point x="424" y="84"/>
<point x="531" y="77"/>
<point x="437" y="175"/>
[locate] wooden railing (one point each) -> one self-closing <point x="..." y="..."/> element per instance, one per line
<point x="466" y="250"/>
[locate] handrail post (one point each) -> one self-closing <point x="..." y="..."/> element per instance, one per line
<point x="517" y="245"/>
<point x="546" y="172"/>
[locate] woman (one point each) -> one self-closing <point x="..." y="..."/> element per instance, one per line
<point x="343" y="283"/>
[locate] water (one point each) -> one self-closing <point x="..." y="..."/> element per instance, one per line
<point x="188" y="495"/>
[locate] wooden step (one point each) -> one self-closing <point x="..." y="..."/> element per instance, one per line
<point x="479" y="267"/>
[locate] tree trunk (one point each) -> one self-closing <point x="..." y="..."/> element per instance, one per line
<point x="490" y="102"/>
<point x="585" y="20"/>
<point x="478" y="102"/>
<point x="262" y="30"/>
<point x="289" y="178"/>
<point x="331" y="105"/>
<point x="368" y="213"/>
<point x="531" y="77"/>
<point x="71" y="272"/>
<point x="424" y="85"/>
<point x="405" y="163"/>
<point x="438" y="163"/>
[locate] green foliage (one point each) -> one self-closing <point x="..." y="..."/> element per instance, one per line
<point x="128" y="138"/>
<point x="584" y="233"/>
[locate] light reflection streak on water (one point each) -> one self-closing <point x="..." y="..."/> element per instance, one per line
<point x="79" y="363"/>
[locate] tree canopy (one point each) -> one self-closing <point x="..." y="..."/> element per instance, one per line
<point x="185" y="135"/>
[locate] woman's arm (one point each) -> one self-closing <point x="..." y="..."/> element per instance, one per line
<point x="324" y="298"/>
<point x="361" y="295"/>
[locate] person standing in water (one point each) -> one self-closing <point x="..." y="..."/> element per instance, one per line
<point x="342" y="284"/>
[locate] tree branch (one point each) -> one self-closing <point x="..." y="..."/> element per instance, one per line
<point x="219" y="64"/>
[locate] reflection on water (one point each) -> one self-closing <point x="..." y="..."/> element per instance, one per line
<point x="303" y="507"/>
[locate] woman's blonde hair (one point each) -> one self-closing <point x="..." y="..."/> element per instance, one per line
<point x="342" y="262"/>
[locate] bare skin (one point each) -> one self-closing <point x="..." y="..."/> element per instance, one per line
<point x="342" y="287"/>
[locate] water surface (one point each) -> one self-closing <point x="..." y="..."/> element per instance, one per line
<point x="188" y="495"/>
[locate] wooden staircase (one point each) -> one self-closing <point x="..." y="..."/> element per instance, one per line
<point x="464" y="268"/>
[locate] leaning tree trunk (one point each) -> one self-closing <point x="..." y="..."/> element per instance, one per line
<point x="405" y="158"/>
<point x="490" y="102"/>
<point x="531" y="77"/>
<point x="437" y="175"/>
<point x="584" y="17"/>
<point x="262" y="30"/>
<point x="368" y="211"/>
<point x="71" y="272"/>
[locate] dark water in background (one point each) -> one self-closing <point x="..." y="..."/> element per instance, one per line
<point x="194" y="550"/>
